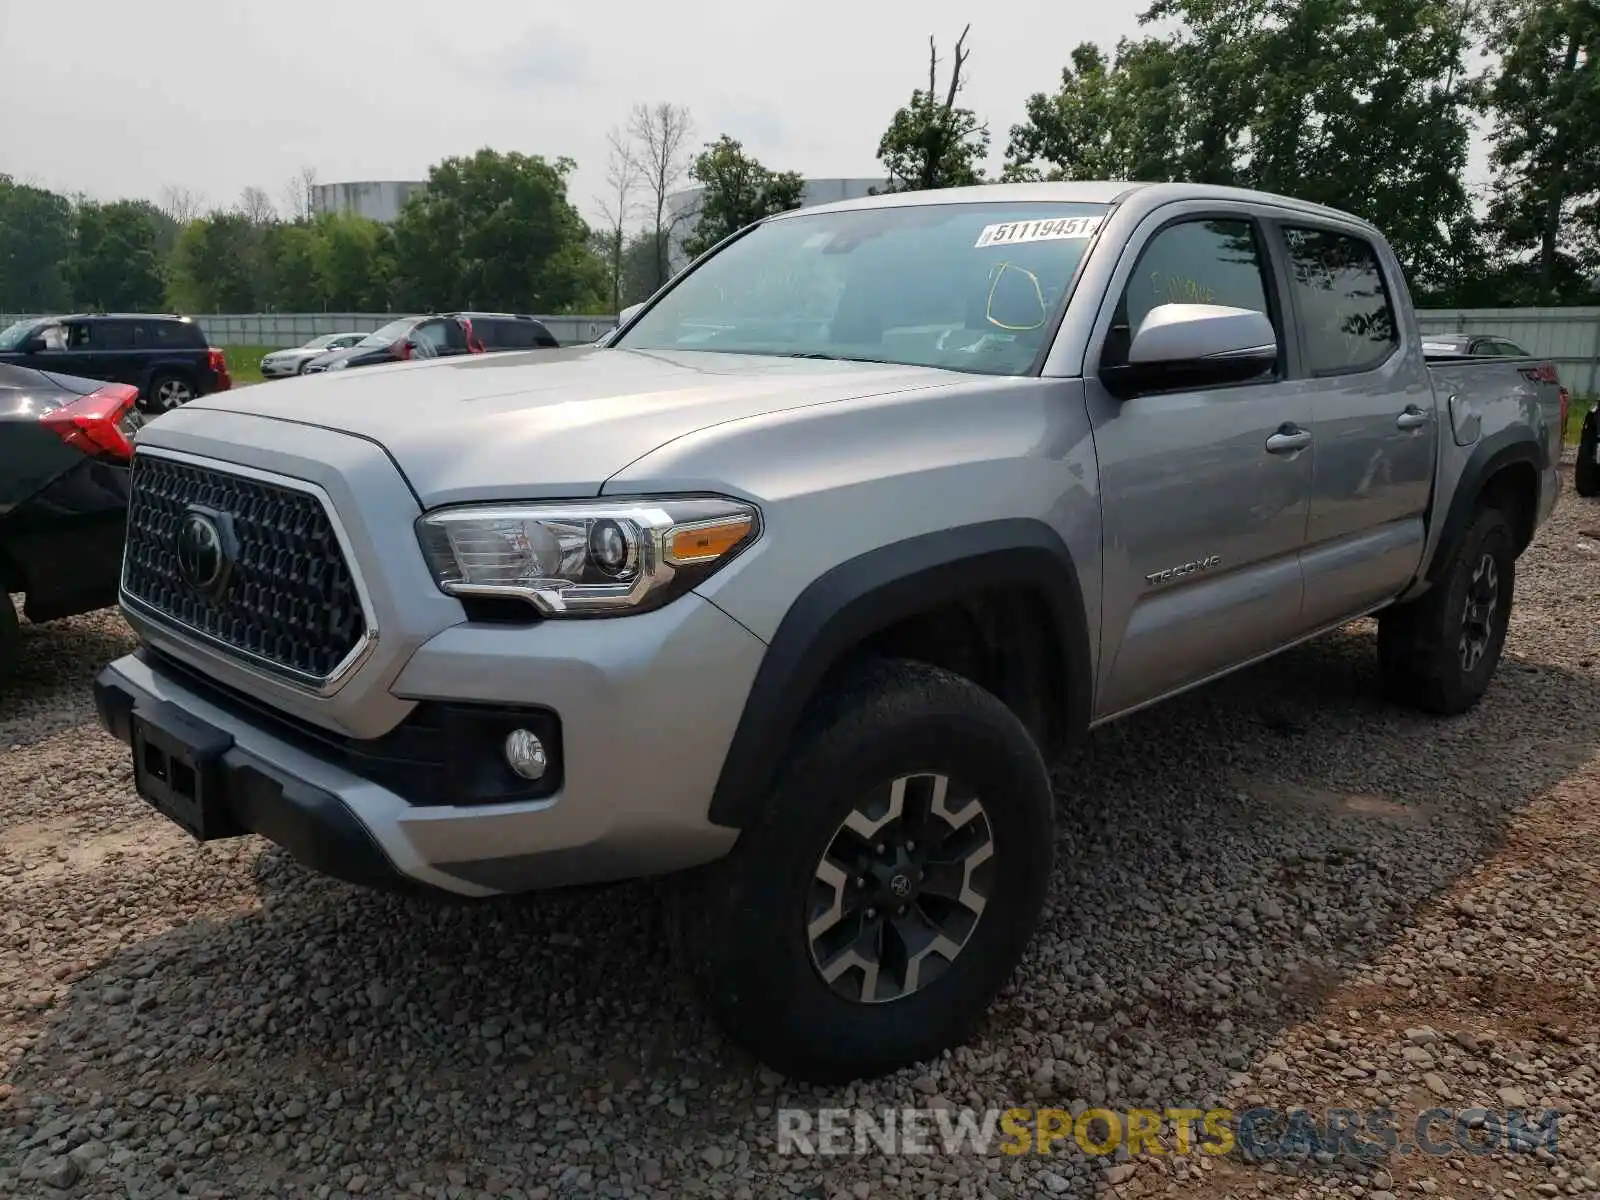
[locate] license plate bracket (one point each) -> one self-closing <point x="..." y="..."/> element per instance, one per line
<point x="177" y="768"/>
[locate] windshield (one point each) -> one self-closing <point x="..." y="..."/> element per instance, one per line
<point x="392" y="332"/>
<point x="318" y="343"/>
<point x="11" y="336"/>
<point x="968" y="287"/>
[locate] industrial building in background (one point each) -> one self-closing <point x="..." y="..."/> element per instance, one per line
<point x="379" y="199"/>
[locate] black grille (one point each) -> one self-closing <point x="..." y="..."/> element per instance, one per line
<point x="290" y="601"/>
<point x="441" y="753"/>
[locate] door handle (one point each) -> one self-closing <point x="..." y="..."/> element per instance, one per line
<point x="1289" y="439"/>
<point x="1412" y="418"/>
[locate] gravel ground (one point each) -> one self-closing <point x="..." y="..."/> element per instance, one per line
<point x="1279" y="890"/>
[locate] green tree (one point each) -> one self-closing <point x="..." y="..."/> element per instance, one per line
<point x="737" y="190"/>
<point x="35" y="239"/>
<point x="1132" y="117"/>
<point x="640" y="264"/>
<point x="1358" y="104"/>
<point x="931" y="143"/>
<point x="353" y="263"/>
<point x="114" y="264"/>
<point x="494" y="230"/>
<point x="213" y="265"/>
<point x="289" y="282"/>
<point x="1544" y="101"/>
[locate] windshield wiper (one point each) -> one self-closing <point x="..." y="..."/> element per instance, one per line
<point x="830" y="357"/>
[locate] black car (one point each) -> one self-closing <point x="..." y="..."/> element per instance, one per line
<point x="401" y="339"/>
<point x="166" y="357"/>
<point x="505" y="331"/>
<point x="65" y="443"/>
<point x="439" y="336"/>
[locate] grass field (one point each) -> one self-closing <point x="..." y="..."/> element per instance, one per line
<point x="244" y="362"/>
<point x="1575" y="414"/>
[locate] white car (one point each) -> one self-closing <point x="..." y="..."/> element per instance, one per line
<point x="282" y="363"/>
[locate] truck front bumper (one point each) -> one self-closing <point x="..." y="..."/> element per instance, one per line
<point x="646" y="706"/>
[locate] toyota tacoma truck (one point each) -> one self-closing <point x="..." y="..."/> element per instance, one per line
<point x="795" y="587"/>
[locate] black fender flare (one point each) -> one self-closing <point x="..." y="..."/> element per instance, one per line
<point x="869" y="593"/>
<point x="1493" y="454"/>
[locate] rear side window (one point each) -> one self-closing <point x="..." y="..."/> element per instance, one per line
<point x="1192" y="262"/>
<point x="1341" y="301"/>
<point x="170" y="335"/>
<point x="512" y="335"/>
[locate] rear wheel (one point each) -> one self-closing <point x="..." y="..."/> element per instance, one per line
<point x="1439" y="652"/>
<point x="169" y="391"/>
<point x="887" y="888"/>
<point x="1586" y="472"/>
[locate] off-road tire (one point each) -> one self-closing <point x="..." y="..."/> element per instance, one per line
<point x="1586" y="471"/>
<point x="1421" y="653"/>
<point x="10" y="640"/>
<point x="742" y="922"/>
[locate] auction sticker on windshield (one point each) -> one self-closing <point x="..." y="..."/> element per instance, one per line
<point x="1009" y="233"/>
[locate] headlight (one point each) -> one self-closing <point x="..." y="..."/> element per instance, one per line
<point x="585" y="558"/>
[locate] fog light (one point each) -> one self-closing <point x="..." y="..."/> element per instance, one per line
<point x="525" y="754"/>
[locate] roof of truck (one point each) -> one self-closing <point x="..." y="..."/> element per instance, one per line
<point x="1074" y="191"/>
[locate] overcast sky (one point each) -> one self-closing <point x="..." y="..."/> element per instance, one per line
<point x="108" y="98"/>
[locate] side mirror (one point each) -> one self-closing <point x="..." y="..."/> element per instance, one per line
<point x="34" y="345"/>
<point x="1195" y="346"/>
<point x="628" y="314"/>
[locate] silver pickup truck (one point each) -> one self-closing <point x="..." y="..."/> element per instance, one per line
<point x="797" y="584"/>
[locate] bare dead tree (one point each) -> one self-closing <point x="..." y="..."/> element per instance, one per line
<point x="617" y="206"/>
<point x="298" y="193"/>
<point x="180" y="203"/>
<point x="659" y="149"/>
<point x="256" y="206"/>
<point x="940" y="129"/>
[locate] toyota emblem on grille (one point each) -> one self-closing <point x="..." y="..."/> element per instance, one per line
<point x="205" y="549"/>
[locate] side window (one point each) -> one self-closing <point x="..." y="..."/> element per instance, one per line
<point x="1341" y="301"/>
<point x="455" y="337"/>
<point x="79" y="336"/>
<point x="53" y="336"/>
<point x="496" y="335"/>
<point x="109" y="335"/>
<point x="1195" y="262"/>
<point x="432" y="335"/>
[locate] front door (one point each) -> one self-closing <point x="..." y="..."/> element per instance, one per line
<point x="1374" y="418"/>
<point x="1203" y="493"/>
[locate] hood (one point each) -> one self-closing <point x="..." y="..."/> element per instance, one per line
<point x="552" y="422"/>
<point x="326" y="358"/>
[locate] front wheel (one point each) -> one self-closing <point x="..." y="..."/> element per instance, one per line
<point x="886" y="889"/>
<point x="1586" y="472"/>
<point x="1439" y="652"/>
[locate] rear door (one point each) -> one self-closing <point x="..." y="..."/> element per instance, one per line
<point x="1373" y="416"/>
<point x="1203" y="493"/>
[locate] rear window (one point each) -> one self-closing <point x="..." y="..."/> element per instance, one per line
<point x="170" y="335"/>
<point x="1341" y="301"/>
